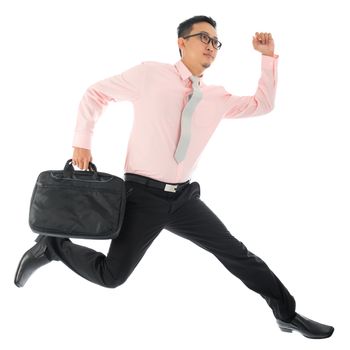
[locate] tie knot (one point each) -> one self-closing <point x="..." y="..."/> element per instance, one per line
<point x="195" y="81"/>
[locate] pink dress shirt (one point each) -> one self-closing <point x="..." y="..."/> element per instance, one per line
<point x="159" y="92"/>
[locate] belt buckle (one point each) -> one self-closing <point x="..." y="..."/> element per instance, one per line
<point x="170" y="188"/>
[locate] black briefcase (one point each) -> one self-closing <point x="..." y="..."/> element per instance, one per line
<point x="77" y="204"/>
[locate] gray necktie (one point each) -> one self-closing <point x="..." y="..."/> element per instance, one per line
<point x="187" y="112"/>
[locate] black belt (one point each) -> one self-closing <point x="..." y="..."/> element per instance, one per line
<point x="155" y="183"/>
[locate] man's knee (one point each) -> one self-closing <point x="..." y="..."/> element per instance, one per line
<point x="115" y="282"/>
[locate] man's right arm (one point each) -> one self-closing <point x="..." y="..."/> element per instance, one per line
<point x="123" y="87"/>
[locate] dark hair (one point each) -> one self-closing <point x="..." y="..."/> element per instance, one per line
<point x="185" y="27"/>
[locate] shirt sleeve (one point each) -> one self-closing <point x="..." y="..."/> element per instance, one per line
<point x="126" y="86"/>
<point x="263" y="100"/>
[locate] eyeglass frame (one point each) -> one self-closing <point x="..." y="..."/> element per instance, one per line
<point x="211" y="40"/>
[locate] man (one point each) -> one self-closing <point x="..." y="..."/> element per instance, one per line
<point x="175" y="115"/>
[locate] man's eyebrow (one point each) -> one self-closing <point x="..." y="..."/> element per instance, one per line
<point x="208" y="34"/>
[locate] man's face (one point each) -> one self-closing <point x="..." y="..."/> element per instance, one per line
<point x="194" y="51"/>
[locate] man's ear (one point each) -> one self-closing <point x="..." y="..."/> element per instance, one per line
<point x="181" y="43"/>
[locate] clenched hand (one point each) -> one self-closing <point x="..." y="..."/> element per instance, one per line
<point x="263" y="42"/>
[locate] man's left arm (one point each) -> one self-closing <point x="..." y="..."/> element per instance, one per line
<point x="263" y="100"/>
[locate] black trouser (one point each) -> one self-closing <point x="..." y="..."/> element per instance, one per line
<point x="149" y="210"/>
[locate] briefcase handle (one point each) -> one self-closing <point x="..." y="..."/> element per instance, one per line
<point x="68" y="170"/>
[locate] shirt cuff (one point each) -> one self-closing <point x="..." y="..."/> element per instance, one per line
<point x="269" y="61"/>
<point x="82" y="140"/>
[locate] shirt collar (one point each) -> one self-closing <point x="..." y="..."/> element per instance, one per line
<point x="184" y="72"/>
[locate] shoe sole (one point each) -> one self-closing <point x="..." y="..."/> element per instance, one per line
<point x="291" y="330"/>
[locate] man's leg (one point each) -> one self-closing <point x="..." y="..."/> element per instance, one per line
<point x="145" y="217"/>
<point x="196" y="222"/>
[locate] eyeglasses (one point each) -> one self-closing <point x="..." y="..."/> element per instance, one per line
<point x="206" y="39"/>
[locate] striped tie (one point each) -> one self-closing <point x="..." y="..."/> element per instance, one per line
<point x="187" y="112"/>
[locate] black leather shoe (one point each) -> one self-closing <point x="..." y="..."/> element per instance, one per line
<point x="308" y="328"/>
<point x="32" y="259"/>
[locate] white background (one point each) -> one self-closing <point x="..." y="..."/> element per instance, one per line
<point x="279" y="182"/>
